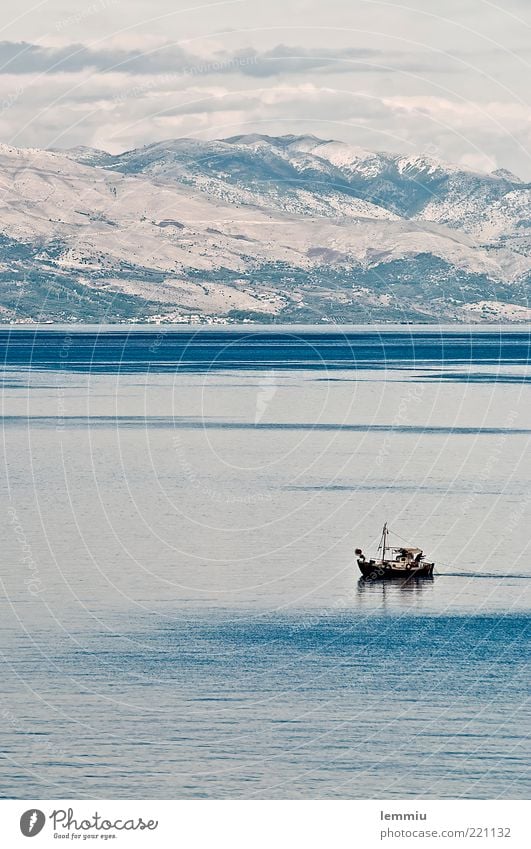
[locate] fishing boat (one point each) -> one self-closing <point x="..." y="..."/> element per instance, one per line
<point x="395" y="562"/>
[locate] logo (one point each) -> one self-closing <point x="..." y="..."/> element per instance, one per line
<point x="32" y="822"/>
<point x="267" y="389"/>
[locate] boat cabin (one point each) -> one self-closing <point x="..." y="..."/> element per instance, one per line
<point x="407" y="555"/>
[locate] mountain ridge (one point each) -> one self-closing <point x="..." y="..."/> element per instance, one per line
<point x="259" y="228"/>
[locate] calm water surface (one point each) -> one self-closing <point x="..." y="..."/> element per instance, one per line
<point x="181" y="612"/>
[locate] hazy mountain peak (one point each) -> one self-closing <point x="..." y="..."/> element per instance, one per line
<point x="289" y="140"/>
<point x="505" y="174"/>
<point x="423" y="164"/>
<point x="84" y="154"/>
<point x="343" y="154"/>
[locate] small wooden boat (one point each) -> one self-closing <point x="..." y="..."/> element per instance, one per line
<point x="400" y="562"/>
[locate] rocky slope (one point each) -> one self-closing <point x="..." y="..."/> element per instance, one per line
<point x="292" y="229"/>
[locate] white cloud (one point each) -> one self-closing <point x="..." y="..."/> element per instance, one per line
<point x="415" y="78"/>
<point x="116" y="111"/>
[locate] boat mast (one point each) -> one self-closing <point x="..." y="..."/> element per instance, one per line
<point x="384" y="540"/>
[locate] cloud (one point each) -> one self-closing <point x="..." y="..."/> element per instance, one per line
<point x="284" y="59"/>
<point x="27" y="58"/>
<point x="120" y="111"/>
<point x="131" y="92"/>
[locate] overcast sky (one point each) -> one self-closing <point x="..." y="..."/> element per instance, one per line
<point x="444" y="77"/>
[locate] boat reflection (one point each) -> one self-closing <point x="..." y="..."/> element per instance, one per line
<point x="402" y="591"/>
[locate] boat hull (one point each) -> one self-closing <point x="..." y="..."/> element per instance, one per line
<point x="373" y="571"/>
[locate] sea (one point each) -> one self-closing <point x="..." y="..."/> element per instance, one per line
<point x="182" y="616"/>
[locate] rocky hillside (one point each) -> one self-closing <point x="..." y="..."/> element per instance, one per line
<point x="289" y="229"/>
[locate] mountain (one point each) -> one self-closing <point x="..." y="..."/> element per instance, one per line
<point x="259" y="228"/>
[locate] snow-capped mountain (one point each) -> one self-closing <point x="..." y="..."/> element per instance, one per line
<point x="293" y="228"/>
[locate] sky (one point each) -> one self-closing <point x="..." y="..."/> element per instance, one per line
<point x="447" y="79"/>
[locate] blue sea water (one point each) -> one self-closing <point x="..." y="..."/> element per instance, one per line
<point x="181" y="611"/>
